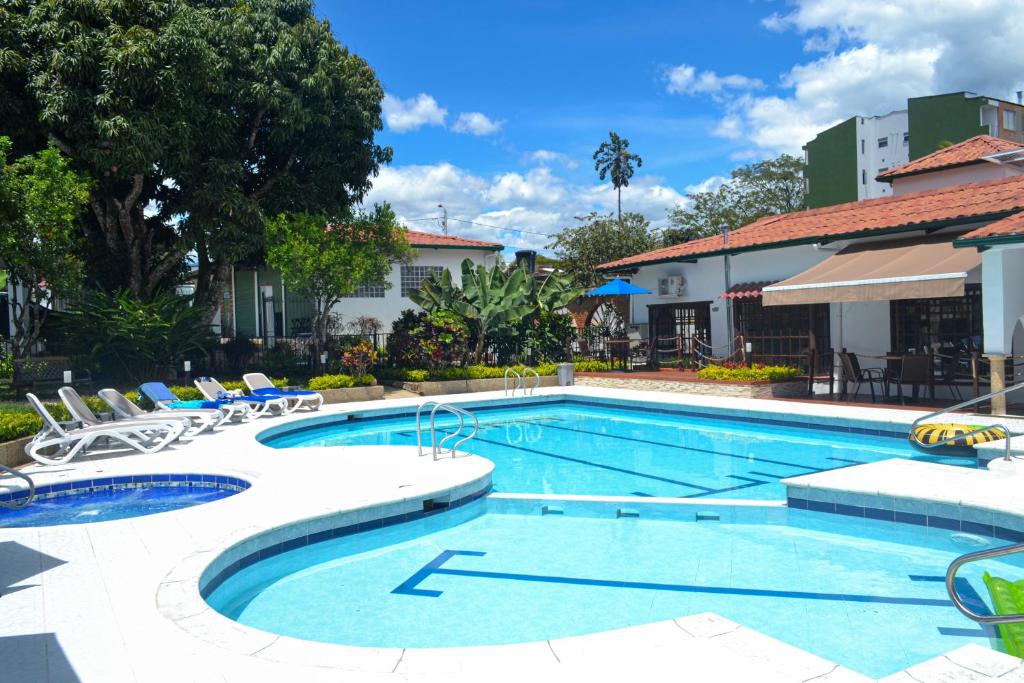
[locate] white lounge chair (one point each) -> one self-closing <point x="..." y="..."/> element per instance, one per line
<point x="260" y="385"/>
<point x="202" y="418"/>
<point x="81" y="411"/>
<point x="145" y="437"/>
<point x="258" y="405"/>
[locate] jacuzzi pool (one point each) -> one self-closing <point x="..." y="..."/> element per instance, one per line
<point x="109" y="498"/>
<point x="866" y="594"/>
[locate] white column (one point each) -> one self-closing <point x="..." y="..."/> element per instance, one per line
<point x="1002" y="296"/>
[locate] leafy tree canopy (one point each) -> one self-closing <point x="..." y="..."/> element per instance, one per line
<point x="766" y="188"/>
<point x="327" y="258"/>
<point x="196" y="119"/>
<point x="600" y="238"/>
<point x="40" y="200"/>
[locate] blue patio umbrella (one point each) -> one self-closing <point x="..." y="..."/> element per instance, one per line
<point x="617" y="287"/>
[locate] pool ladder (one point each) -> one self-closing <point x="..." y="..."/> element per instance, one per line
<point x="437" y="448"/>
<point x="520" y="382"/>
<point x="976" y="556"/>
<point x="19" y="503"/>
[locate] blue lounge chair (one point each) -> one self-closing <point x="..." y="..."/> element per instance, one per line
<point x="164" y="399"/>
<point x="260" y="385"/>
<point x="258" y="405"/>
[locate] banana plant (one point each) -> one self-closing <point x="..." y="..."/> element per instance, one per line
<point x="555" y="293"/>
<point x="490" y="298"/>
<point x="436" y="293"/>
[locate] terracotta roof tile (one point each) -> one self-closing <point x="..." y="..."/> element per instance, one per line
<point x="746" y="290"/>
<point x="957" y="204"/>
<point x="970" y="151"/>
<point x="1011" y="226"/>
<point x="430" y="239"/>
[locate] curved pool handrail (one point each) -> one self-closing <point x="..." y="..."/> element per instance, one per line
<point x="970" y="402"/>
<point x="536" y="380"/>
<point x="1001" y="551"/>
<point x="518" y="383"/>
<point x="437" y="448"/>
<point x="19" y="503"/>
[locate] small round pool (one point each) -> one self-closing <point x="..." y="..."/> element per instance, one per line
<point x="110" y="498"/>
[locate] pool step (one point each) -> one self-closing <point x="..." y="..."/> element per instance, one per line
<point x="552" y="510"/>
<point x="708" y="517"/>
<point x="627" y="513"/>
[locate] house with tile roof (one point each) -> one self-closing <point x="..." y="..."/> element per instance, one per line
<point x="259" y="305"/>
<point x="940" y="269"/>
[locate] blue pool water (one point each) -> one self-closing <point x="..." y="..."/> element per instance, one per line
<point x="572" y="447"/>
<point x="109" y="504"/>
<point x="866" y="594"/>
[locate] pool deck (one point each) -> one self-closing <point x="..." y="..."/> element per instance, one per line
<point x="119" y="601"/>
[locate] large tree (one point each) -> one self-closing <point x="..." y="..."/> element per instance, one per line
<point x="326" y="258"/>
<point x="196" y="119"/>
<point x="40" y="199"/>
<point x="600" y="238"/>
<point x="766" y="188"/>
<point x="613" y="159"/>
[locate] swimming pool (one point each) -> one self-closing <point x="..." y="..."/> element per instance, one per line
<point x="629" y="449"/>
<point x="110" y="498"/>
<point x="498" y="571"/>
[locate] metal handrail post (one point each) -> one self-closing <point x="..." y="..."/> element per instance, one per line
<point x="955" y="596"/>
<point x="19" y="503"/>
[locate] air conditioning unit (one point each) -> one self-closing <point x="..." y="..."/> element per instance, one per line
<point x="674" y="285"/>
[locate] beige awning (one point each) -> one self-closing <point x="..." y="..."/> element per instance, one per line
<point x="880" y="271"/>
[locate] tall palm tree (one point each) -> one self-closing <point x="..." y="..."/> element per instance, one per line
<point x="614" y="158"/>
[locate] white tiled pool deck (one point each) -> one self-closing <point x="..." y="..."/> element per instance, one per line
<point x="119" y="601"/>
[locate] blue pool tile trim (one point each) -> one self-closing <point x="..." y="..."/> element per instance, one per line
<point x="67" y="488"/>
<point x="814" y="423"/>
<point x="345" y="530"/>
<point x="936" y="521"/>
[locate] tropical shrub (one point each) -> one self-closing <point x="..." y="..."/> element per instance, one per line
<point x="433" y="340"/>
<point x="281" y="359"/>
<point x="759" y="372"/>
<point x="341" y="382"/>
<point x="358" y="357"/>
<point x="592" y="366"/>
<point x="124" y="337"/>
<point x="456" y="373"/>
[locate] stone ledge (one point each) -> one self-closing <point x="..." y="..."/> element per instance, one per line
<point x="12" y="453"/>
<point x="468" y="386"/>
<point x="352" y="394"/>
<point x="786" y="389"/>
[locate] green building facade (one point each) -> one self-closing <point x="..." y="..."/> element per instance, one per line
<point x="830" y="171"/>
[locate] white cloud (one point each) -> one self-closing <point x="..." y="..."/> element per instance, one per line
<point x="545" y="157"/>
<point x="410" y="114"/>
<point x="475" y="123"/>
<point x="685" y="79"/>
<point x="870" y="57"/>
<point x="537" y="201"/>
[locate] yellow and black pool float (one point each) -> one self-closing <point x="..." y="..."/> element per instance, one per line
<point x="937" y="433"/>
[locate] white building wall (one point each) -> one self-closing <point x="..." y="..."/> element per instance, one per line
<point x="960" y="175"/>
<point x="872" y="159"/>
<point x="387" y="308"/>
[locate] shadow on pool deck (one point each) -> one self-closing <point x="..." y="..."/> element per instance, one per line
<point x="18" y="563"/>
<point x="35" y="657"/>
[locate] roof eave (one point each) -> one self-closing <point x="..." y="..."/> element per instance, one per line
<point x="945" y="167"/>
<point x="471" y="247"/>
<point x="989" y="241"/>
<point x="870" y="232"/>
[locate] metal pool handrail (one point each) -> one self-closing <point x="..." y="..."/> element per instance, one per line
<point x="970" y="402"/>
<point x="536" y="380"/>
<point x="20" y="503"/>
<point x="955" y="596"/>
<point x="438" y="448"/>
<point x="518" y="382"/>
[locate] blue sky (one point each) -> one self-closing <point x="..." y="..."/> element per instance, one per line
<point x="494" y="108"/>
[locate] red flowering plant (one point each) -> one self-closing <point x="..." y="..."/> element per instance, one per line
<point x="358" y="357"/>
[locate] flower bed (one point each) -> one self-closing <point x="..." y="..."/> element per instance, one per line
<point x="759" y="372"/>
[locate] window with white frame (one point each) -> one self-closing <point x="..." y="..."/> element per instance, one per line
<point x="413" y="276"/>
<point x="368" y="290"/>
<point x="1009" y="119"/>
<point x="906" y="138"/>
<point x="883" y="142"/>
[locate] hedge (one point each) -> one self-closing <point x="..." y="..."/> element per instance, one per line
<point x="341" y="382"/>
<point x="468" y="372"/>
<point x="757" y="373"/>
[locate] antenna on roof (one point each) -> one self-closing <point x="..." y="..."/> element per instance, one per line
<point x="444" y="219"/>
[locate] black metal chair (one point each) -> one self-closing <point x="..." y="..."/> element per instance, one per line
<point x="853" y="373"/>
<point x="915" y="370"/>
